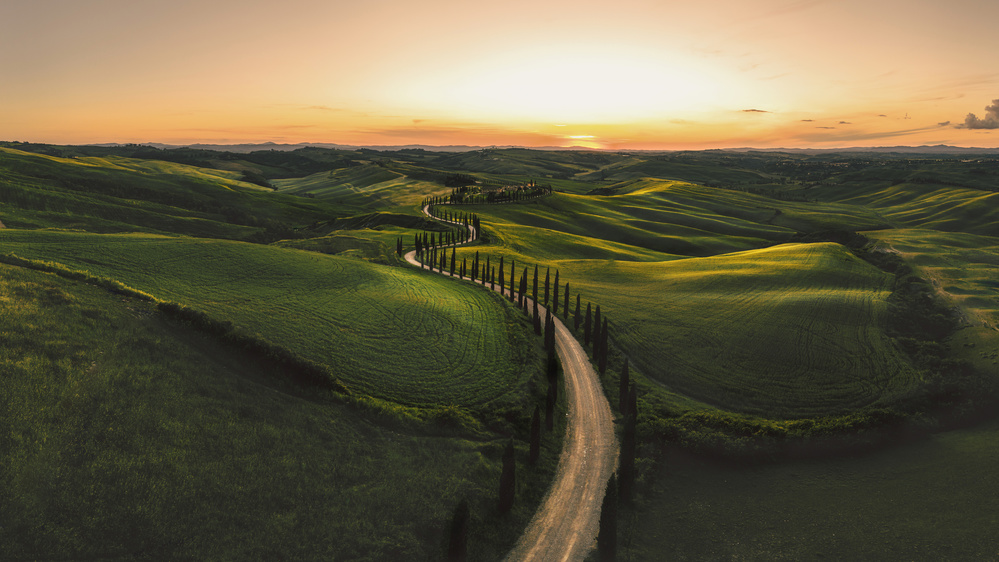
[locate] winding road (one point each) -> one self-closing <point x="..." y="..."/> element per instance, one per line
<point x="565" y="526"/>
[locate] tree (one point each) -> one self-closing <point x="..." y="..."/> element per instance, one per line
<point x="555" y="296"/>
<point x="587" y="326"/>
<point x="549" y="331"/>
<point x="607" y="536"/>
<point x="534" y="293"/>
<point x="596" y="334"/>
<point x="565" y="308"/>
<point x="547" y="284"/>
<point x="523" y="288"/>
<point x="513" y="280"/>
<point x="508" y="479"/>
<point x="537" y="319"/>
<point x="457" y="547"/>
<point x="501" y="275"/>
<point x="535" y="451"/>
<point x="464" y="264"/>
<point x="488" y="271"/>
<point x="602" y="344"/>
<point x="622" y="399"/>
<point x="578" y="319"/>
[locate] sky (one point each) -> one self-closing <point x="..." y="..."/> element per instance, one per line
<point x="629" y="74"/>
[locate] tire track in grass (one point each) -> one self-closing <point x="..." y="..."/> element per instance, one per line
<point x="565" y="526"/>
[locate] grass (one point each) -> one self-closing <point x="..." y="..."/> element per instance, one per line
<point x="115" y="194"/>
<point x="128" y="436"/>
<point x="393" y="333"/>
<point x="795" y="330"/>
<point x="930" y="500"/>
<point x="366" y="187"/>
<point x="927" y="206"/>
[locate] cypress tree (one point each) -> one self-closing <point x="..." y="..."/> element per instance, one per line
<point x="443" y="260"/>
<point x="534" y="293"/>
<point x="537" y="319"/>
<point x="433" y="244"/>
<point x="577" y="317"/>
<point x="547" y="283"/>
<point x="452" y="261"/>
<point x="549" y="331"/>
<point x="492" y="278"/>
<point x="523" y="288"/>
<point x="587" y="326"/>
<point x="513" y="280"/>
<point x="535" y="436"/>
<point x="475" y="266"/>
<point x="457" y="547"/>
<point x="607" y="536"/>
<point x="602" y="342"/>
<point x="487" y="273"/>
<point x="508" y="479"/>
<point x="501" y="275"/>
<point x="622" y="392"/>
<point x="555" y="296"/>
<point x="565" y="307"/>
<point x="464" y="264"/>
<point x="596" y="334"/>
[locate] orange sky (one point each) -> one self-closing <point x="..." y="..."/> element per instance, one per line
<point x="627" y="74"/>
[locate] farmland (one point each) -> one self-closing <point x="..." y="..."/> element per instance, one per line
<point x="128" y="436"/>
<point x="462" y="348"/>
<point x="771" y="306"/>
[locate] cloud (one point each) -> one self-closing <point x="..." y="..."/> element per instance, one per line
<point x="882" y="115"/>
<point x="808" y="120"/>
<point x="755" y="111"/>
<point x="990" y="121"/>
<point x="944" y="124"/>
<point x="845" y="123"/>
<point x="825" y="127"/>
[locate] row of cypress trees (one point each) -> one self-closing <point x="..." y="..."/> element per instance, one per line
<point x="553" y="295"/>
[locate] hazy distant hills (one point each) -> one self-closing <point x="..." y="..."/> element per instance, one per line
<point x="251" y="147"/>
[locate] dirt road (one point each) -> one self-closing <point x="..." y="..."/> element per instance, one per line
<point x="565" y="526"/>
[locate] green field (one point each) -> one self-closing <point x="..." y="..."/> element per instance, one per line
<point x="752" y="334"/>
<point x="398" y="334"/>
<point x="790" y="331"/>
<point x="127" y="436"/>
<point x="931" y="500"/>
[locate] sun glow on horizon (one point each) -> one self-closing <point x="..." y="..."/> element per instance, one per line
<point x="574" y="84"/>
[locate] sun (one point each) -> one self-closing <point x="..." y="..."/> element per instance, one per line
<point x="574" y="84"/>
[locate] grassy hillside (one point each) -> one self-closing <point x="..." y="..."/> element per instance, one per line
<point x="394" y="333"/>
<point x="114" y="194"/>
<point x="127" y="436"/>
<point x="931" y="500"/>
<point x="367" y="187"/>
<point x="795" y="330"/>
<point x="676" y="218"/>
<point x="937" y="207"/>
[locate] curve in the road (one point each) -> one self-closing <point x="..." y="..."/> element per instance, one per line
<point x="565" y="526"/>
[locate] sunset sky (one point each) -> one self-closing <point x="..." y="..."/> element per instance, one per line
<point x="624" y="74"/>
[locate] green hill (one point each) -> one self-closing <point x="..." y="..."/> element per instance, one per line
<point x="394" y="333"/>
<point x="125" y="435"/>
<point x="114" y="194"/>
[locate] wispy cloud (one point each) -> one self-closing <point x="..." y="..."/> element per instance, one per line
<point x="825" y="127"/>
<point x="990" y="121"/>
<point x="808" y="120"/>
<point x="756" y="111"/>
<point x="845" y="123"/>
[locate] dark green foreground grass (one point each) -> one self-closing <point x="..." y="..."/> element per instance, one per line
<point x="936" y="499"/>
<point x="126" y="435"/>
